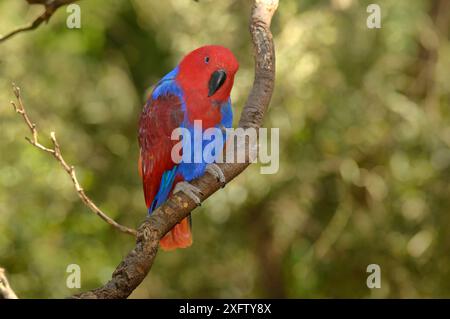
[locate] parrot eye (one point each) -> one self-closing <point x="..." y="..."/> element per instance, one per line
<point x="207" y="59"/>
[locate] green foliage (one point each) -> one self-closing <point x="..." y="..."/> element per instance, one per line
<point x="365" y="159"/>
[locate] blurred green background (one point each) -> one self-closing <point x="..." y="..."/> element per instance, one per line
<point x="365" y="161"/>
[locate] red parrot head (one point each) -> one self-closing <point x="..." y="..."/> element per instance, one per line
<point x="208" y="71"/>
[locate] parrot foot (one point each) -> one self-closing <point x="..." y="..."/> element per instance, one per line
<point x="190" y="190"/>
<point x="215" y="171"/>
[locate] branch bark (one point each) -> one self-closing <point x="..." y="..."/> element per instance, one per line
<point x="136" y="265"/>
<point x="6" y="291"/>
<point x="50" y="8"/>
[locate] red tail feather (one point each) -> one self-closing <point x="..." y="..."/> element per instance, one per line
<point x="180" y="236"/>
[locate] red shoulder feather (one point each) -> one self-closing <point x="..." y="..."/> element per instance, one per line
<point x="158" y="119"/>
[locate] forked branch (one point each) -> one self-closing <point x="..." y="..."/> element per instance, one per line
<point x="136" y="265"/>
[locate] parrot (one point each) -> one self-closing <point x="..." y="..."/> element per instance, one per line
<point x="197" y="89"/>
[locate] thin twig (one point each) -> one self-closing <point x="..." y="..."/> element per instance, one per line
<point x="6" y="291"/>
<point x="50" y="9"/>
<point x="70" y="170"/>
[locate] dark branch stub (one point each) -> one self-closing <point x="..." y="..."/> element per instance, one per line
<point x="50" y="8"/>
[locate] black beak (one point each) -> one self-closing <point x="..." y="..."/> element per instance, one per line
<point x="216" y="81"/>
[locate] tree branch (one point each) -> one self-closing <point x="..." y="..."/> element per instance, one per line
<point x="70" y="170"/>
<point x="50" y="8"/>
<point x="136" y="265"/>
<point x="6" y="291"/>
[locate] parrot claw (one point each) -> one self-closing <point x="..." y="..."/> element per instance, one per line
<point x="190" y="190"/>
<point x="215" y="171"/>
